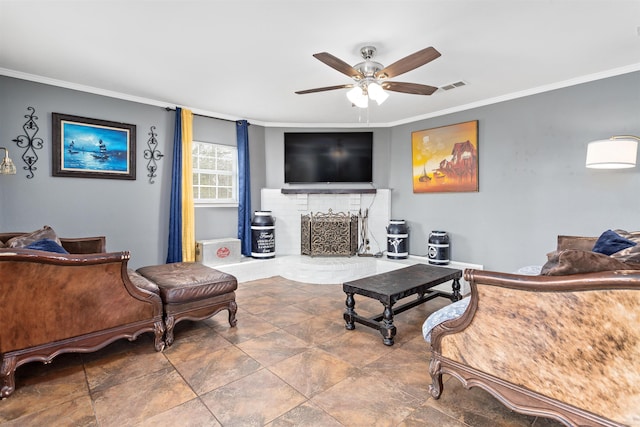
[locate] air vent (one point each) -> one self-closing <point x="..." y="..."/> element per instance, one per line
<point x="454" y="85"/>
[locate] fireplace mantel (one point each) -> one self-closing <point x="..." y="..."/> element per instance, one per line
<point x="328" y="190"/>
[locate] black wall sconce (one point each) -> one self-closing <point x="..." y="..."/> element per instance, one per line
<point x="29" y="142"/>
<point x="153" y="155"/>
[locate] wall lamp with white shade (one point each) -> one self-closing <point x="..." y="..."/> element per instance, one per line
<point x="617" y="152"/>
<point x="7" y="167"/>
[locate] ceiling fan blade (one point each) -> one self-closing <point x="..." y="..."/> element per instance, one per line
<point x="338" y="64"/>
<point x="413" y="88"/>
<point x="408" y="63"/>
<point x="322" y="89"/>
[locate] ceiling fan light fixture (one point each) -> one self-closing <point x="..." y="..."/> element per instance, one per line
<point x="377" y="93"/>
<point x="370" y="76"/>
<point x="358" y="97"/>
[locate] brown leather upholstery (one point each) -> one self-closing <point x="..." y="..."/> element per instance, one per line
<point x="142" y="282"/>
<point x="581" y="243"/>
<point x="84" y="245"/>
<point x="57" y="303"/>
<point x="192" y="291"/>
<point x="183" y="282"/>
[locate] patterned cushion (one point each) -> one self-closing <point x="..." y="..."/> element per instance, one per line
<point x="530" y="270"/>
<point x="23" y="240"/>
<point x="451" y="311"/>
<point x="632" y="253"/>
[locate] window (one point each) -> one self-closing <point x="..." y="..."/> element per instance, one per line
<point x="215" y="174"/>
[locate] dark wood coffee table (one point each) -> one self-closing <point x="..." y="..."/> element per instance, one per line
<point x="390" y="287"/>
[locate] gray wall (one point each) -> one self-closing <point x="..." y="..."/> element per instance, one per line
<point x="133" y="215"/>
<point x="217" y="222"/>
<point x="533" y="182"/>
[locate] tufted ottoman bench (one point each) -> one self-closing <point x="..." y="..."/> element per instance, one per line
<point x="192" y="291"/>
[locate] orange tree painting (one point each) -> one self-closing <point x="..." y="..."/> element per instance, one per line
<point x="445" y="159"/>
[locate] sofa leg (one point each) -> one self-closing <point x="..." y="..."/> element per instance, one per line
<point x="435" y="388"/>
<point x="158" y="332"/>
<point x="7" y="376"/>
<point x="168" y="335"/>
<point x="233" y="308"/>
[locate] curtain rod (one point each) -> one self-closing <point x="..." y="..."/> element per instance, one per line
<point x="209" y="117"/>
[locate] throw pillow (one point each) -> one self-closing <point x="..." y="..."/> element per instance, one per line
<point x="573" y="261"/>
<point x="611" y="242"/>
<point x="45" y="232"/>
<point x="634" y="236"/>
<point x="47" y="245"/>
<point x="631" y="254"/>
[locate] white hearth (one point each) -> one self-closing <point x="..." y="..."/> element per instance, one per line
<point x="330" y="270"/>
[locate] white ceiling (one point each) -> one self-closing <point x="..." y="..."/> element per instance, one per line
<point x="245" y="59"/>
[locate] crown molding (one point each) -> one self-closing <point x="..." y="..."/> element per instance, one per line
<point x="163" y="104"/>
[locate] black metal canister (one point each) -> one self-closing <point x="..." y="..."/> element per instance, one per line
<point x="397" y="239"/>
<point x="263" y="235"/>
<point x="438" y="252"/>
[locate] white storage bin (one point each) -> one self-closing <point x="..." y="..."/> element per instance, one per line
<point x="218" y="251"/>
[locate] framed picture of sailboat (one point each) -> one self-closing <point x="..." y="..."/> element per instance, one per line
<point x="93" y="148"/>
<point x="445" y="159"/>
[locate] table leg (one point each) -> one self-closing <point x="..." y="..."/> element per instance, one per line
<point x="456" y="291"/>
<point x="350" y="312"/>
<point x="388" y="329"/>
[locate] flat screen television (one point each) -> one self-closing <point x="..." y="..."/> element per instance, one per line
<point x="328" y="157"/>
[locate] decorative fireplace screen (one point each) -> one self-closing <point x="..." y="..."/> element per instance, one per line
<point x="329" y="234"/>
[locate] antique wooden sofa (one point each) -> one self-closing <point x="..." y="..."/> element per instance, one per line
<point x="563" y="346"/>
<point x="53" y="303"/>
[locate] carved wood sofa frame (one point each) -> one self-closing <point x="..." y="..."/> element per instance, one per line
<point x="54" y="303"/>
<point x="563" y="347"/>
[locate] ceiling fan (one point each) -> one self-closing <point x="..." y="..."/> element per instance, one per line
<point x="370" y="77"/>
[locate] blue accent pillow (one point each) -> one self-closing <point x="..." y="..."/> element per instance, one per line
<point x="611" y="242"/>
<point x="47" y="245"/>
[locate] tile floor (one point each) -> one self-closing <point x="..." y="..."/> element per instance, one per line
<point x="289" y="362"/>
